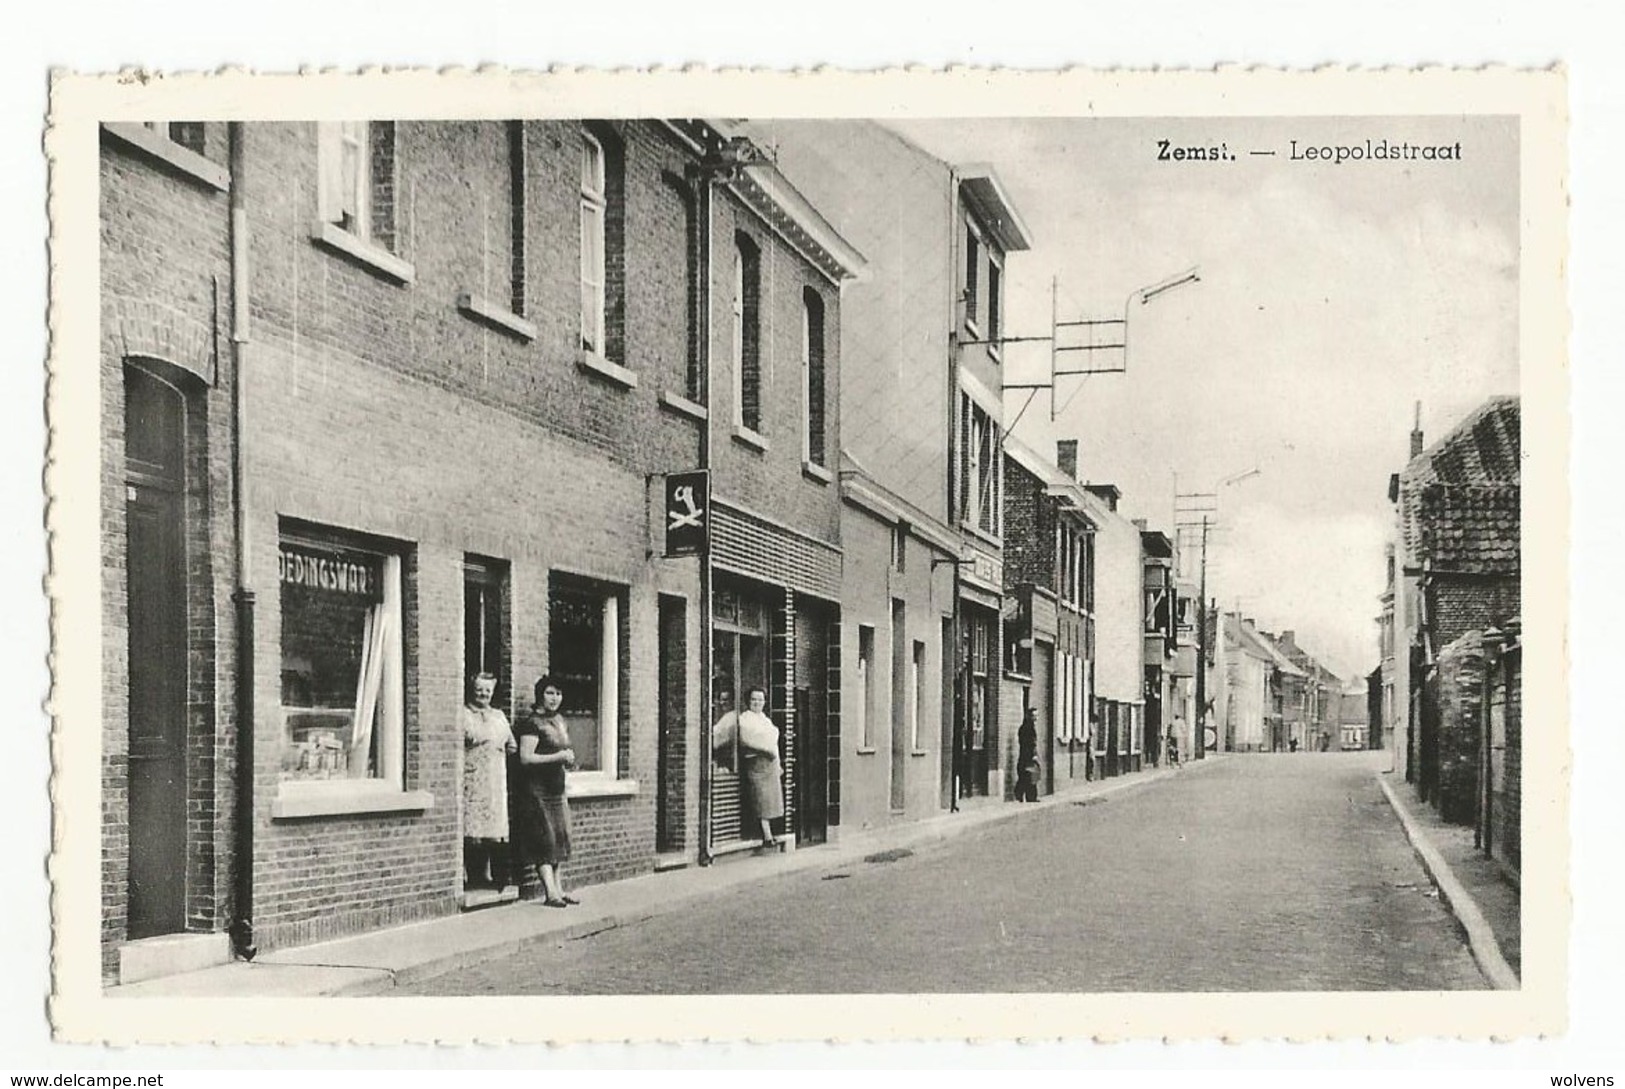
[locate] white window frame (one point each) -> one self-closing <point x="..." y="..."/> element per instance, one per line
<point x="971" y="272"/>
<point x="995" y="301"/>
<point x="387" y="789"/>
<point x="594" y="219"/>
<point x="866" y="680"/>
<point x="344" y="197"/>
<point x="609" y="688"/>
<point x="916" y="694"/>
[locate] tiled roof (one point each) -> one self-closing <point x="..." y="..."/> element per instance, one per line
<point x="1482" y="452"/>
<point x="1470" y="528"/>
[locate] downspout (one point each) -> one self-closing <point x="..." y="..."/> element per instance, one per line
<point x="703" y="181"/>
<point x="242" y="925"/>
<point x="955" y="484"/>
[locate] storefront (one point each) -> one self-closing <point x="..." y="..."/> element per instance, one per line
<point x="775" y="625"/>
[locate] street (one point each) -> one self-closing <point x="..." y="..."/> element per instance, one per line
<point x="1253" y="873"/>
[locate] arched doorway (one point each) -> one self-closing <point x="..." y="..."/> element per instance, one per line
<point x="155" y="585"/>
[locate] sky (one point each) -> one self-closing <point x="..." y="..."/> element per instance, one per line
<point x="1332" y="297"/>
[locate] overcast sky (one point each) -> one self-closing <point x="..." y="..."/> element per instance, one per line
<point x="1332" y="298"/>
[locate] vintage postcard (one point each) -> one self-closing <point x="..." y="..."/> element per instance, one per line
<point x="769" y="556"/>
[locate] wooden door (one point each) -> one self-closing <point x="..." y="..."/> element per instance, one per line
<point x="156" y="595"/>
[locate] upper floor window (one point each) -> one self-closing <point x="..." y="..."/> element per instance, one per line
<point x="188" y="134"/>
<point x="747" y="333"/>
<point x="593" y="208"/>
<point x="516" y="217"/>
<point x="356" y="162"/>
<point x="980" y="492"/>
<point x="995" y="302"/>
<point x="812" y="376"/>
<point x="973" y="270"/>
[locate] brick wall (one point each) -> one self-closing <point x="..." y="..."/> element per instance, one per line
<point x="1459" y="604"/>
<point x="1461" y="706"/>
<point x="165" y="275"/>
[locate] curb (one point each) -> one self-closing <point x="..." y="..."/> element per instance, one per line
<point x="851" y="850"/>
<point x="1480" y="938"/>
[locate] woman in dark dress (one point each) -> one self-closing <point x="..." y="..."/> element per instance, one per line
<point x="541" y="833"/>
<point x="1027" y="758"/>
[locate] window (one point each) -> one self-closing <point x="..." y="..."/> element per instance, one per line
<point x="593" y="208"/>
<point x="188" y="134"/>
<point x="866" y="686"/>
<point x="586" y="655"/>
<point x="982" y="458"/>
<point x="917" y="686"/>
<point x="342" y="686"/>
<point x="899" y="547"/>
<point x="747" y="334"/>
<point x="812" y="375"/>
<point x="357" y="168"/>
<point x="516" y="217"/>
<point x="980" y="636"/>
<point x="973" y="268"/>
<point x="995" y="281"/>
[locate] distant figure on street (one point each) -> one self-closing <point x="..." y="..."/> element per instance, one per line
<point x="1173" y="741"/>
<point x="1293" y="744"/>
<point x="487" y="742"/>
<point x="757" y="742"/>
<point x="1027" y="758"/>
<point x="542" y="813"/>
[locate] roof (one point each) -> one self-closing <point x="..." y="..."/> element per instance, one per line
<point x="985" y="194"/>
<point x="1470" y="528"/>
<point x="1259" y="645"/>
<point x="1464" y="489"/>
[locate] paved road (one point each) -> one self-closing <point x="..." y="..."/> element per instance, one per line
<point x="1280" y="872"/>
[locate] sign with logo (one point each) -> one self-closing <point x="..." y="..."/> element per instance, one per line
<point x="687" y="512"/>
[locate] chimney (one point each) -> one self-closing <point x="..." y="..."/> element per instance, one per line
<point x="1107" y="492"/>
<point x="1289" y="636"/>
<point x="1066" y="457"/>
<point x="1416" y="432"/>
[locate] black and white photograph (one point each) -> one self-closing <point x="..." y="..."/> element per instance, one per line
<point x="723" y="544"/>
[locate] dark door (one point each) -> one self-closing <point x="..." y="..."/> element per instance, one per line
<point x="899" y="707"/>
<point x="670" y="758"/>
<point x="156" y="595"/>
<point x="812" y="728"/>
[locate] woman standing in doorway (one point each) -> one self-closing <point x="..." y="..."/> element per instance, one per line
<point x="759" y="757"/>
<point x="487" y="741"/>
<point x="542" y="813"/>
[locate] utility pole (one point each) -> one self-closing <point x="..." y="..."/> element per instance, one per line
<point x="1199" y="742"/>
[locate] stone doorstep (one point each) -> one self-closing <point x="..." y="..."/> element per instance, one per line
<point x="171" y="954"/>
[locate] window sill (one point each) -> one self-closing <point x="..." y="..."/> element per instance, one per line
<point x="607" y="369"/>
<point x="982" y="534"/>
<point x="500" y="318"/>
<point x="326" y="800"/>
<point x="375" y="259"/>
<point x="595" y="787"/>
<point x="682" y="406"/>
<point x="746" y="436"/>
<point x="1014" y="675"/>
<point x="814" y="471"/>
<point x="920" y="752"/>
<point x="867" y="750"/>
<point x="178" y="158"/>
<point x="973" y="329"/>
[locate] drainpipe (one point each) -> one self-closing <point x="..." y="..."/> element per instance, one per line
<point x="955" y="485"/>
<point x="703" y="182"/>
<point x="242" y="925"/>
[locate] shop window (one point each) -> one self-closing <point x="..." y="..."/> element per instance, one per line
<point x="586" y="655"/>
<point x="981" y="640"/>
<point x="356" y="163"/>
<point x="342" y="686"/>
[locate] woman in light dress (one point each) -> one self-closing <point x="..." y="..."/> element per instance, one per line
<point x="758" y="741"/>
<point x="487" y="741"/>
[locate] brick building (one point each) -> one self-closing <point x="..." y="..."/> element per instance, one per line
<point x="1161" y="639"/>
<point x="404" y="392"/>
<point x="922" y="523"/>
<point x="1457" y="552"/>
<point x="1049" y="586"/>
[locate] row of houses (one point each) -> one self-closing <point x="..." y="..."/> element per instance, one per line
<point x="388" y="404"/>
<point x="1447" y="691"/>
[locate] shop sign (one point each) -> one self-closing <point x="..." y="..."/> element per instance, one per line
<point x="687" y="512"/>
<point x="329" y="572"/>
<point x="986" y="569"/>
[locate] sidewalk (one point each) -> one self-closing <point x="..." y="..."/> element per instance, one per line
<point x="1483" y="895"/>
<point x="377" y="962"/>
